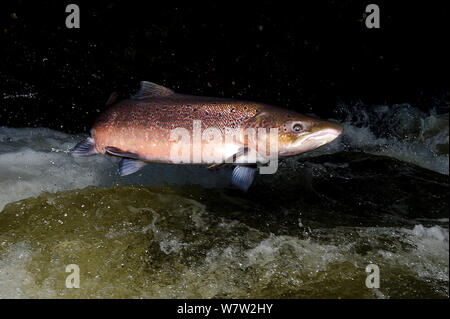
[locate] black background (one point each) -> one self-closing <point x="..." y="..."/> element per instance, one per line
<point x="305" y="55"/>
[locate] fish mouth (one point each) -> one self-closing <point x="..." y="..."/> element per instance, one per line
<point x="313" y="140"/>
<point x="327" y="135"/>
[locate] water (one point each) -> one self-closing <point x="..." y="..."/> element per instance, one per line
<point x="377" y="195"/>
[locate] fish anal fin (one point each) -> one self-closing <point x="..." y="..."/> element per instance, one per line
<point x="118" y="152"/>
<point x="84" y="148"/>
<point x="129" y="166"/>
<point x="149" y="90"/>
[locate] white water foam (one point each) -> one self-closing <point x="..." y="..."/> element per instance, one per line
<point x="36" y="160"/>
<point x="400" y="131"/>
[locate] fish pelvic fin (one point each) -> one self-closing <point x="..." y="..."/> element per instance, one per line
<point x="129" y="166"/>
<point x="111" y="150"/>
<point x="149" y="90"/>
<point x="84" y="148"/>
<point x="243" y="176"/>
<point x="129" y="163"/>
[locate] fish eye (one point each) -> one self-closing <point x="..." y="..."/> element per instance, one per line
<point x="297" y="127"/>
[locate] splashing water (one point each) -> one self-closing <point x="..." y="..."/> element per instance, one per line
<point x="308" y="231"/>
<point x="398" y="131"/>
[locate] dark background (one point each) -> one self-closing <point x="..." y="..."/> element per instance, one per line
<point x="305" y="55"/>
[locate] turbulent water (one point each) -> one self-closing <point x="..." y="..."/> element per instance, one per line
<point x="377" y="195"/>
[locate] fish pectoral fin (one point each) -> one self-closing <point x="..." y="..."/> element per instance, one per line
<point x="243" y="176"/>
<point x="129" y="166"/>
<point x="84" y="148"/>
<point x="230" y="160"/>
<point x="118" y="152"/>
<point x="216" y="166"/>
<point x="233" y="158"/>
<point x="112" y="98"/>
<point x="149" y="89"/>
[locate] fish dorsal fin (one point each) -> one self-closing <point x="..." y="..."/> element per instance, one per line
<point x="112" y="99"/>
<point x="149" y="89"/>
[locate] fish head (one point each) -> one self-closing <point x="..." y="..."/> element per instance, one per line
<point x="298" y="133"/>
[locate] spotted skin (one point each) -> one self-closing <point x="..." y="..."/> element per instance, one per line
<point x="143" y="125"/>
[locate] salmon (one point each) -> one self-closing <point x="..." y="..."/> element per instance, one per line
<point x="159" y="125"/>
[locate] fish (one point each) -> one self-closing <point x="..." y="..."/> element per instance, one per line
<point x="159" y="125"/>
